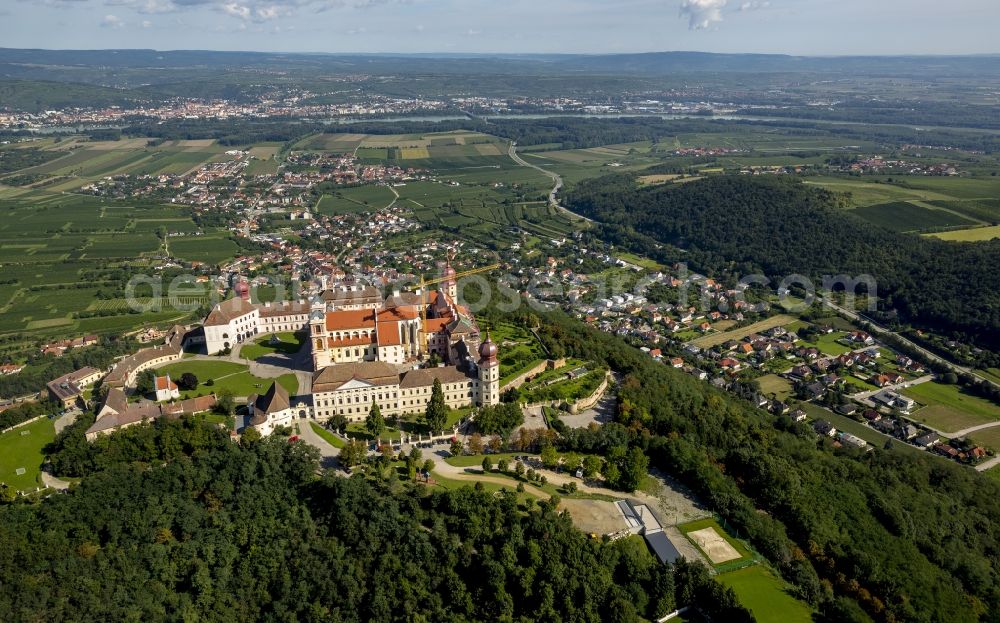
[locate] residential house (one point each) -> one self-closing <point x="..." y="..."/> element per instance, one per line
<point x="822" y="427"/>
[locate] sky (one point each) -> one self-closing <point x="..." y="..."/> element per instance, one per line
<point x="804" y="27"/>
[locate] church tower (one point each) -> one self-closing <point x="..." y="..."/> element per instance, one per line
<point x="449" y="284"/>
<point x="489" y="373"/>
<point x="317" y="334"/>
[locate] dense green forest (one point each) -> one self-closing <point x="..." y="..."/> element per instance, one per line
<point x="909" y="537"/>
<point x="739" y="225"/>
<point x="205" y="529"/>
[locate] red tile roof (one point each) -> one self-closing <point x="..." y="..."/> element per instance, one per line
<point x="350" y="319"/>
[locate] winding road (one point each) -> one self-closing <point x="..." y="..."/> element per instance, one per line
<point x="556" y="178"/>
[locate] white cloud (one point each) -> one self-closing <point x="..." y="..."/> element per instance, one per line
<point x="147" y="24"/>
<point x="237" y="10"/>
<point x="702" y="14"/>
<point x="112" y="21"/>
<point x="755" y="5"/>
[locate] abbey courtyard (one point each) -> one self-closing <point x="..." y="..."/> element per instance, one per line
<point x="355" y="348"/>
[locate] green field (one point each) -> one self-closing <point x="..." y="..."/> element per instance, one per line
<point x="519" y="351"/>
<point x="977" y="234"/>
<point x="211" y="249"/>
<point x="989" y="437"/>
<point x="22" y="448"/>
<point x="866" y="192"/>
<point x="993" y="473"/>
<point x="766" y="595"/>
<point x="828" y="345"/>
<point x="227" y="376"/>
<point x="906" y="217"/>
<point x="774" y="384"/>
<point x="948" y="409"/>
<point x="288" y="344"/>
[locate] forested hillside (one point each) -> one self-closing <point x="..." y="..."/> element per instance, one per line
<point x="741" y="225"/>
<point x="180" y="524"/>
<point x="908" y="536"/>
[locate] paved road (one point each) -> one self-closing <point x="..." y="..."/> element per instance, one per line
<point x="865" y="395"/>
<point x="985" y="465"/>
<point x="556" y="178"/>
<point x="65" y="420"/>
<point x="52" y="482"/>
<point x="328" y="453"/>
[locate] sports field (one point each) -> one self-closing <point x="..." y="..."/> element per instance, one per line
<point x="21" y="454"/>
<point x="717" y="545"/>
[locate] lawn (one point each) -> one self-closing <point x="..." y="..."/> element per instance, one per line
<point x="329" y="437"/>
<point x="226" y="375"/>
<point x="766" y="595"/>
<point x="22" y="448"/>
<point x="519" y="351"/>
<point x="774" y="384"/>
<point x="992" y="373"/>
<point x="285" y="343"/>
<point x="948" y="408"/>
<point x="411" y="423"/>
<point x="989" y="437"/>
<point x="645" y="262"/>
<point x="475" y="460"/>
<point x="828" y="344"/>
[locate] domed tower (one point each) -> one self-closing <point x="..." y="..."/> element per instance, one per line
<point x="242" y="289"/>
<point x="449" y="284"/>
<point x="489" y="373"/>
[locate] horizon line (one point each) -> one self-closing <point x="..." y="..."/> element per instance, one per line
<point x="516" y="54"/>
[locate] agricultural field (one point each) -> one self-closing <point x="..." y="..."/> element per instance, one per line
<point x="21" y="451"/>
<point x="904" y="216"/>
<point x="766" y="595"/>
<point x="575" y="165"/>
<point x="356" y="199"/>
<point x="978" y="234"/>
<point x="948" y="408"/>
<point x="210" y="248"/>
<point x="714" y="339"/>
<point x="870" y="191"/>
<point x="966" y="206"/>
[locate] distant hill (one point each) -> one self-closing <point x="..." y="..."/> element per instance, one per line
<point x="38" y="96"/>
<point x="65" y="65"/>
<point x="743" y="225"/>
